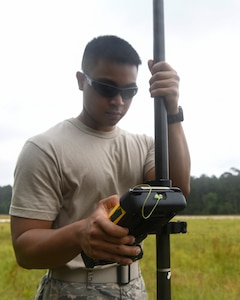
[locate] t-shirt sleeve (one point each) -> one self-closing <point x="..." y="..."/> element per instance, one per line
<point x="150" y="158"/>
<point x="37" y="184"/>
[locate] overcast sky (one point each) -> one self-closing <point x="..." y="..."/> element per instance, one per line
<point x="41" y="48"/>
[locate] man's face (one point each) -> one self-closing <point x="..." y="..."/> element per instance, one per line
<point x="101" y="112"/>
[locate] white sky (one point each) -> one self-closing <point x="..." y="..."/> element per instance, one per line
<point x="41" y="48"/>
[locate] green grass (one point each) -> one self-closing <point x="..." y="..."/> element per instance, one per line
<point x="15" y="283"/>
<point x="204" y="264"/>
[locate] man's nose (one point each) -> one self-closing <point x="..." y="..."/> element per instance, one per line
<point x="117" y="100"/>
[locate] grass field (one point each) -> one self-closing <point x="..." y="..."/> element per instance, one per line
<point x="205" y="264"/>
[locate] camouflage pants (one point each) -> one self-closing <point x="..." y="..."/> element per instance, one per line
<point x="53" y="289"/>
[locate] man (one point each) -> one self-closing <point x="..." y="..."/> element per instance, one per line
<point x="69" y="178"/>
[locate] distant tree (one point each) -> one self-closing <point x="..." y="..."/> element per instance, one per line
<point x="5" y="198"/>
<point x="211" y="203"/>
<point x="229" y="190"/>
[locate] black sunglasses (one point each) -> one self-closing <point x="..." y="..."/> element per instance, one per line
<point x="112" y="90"/>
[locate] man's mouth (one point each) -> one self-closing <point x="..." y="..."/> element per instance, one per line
<point x="114" y="113"/>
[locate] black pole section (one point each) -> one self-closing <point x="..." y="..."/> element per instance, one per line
<point x="161" y="157"/>
<point x="161" y="130"/>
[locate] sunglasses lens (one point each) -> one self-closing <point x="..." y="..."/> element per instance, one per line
<point x="105" y="90"/>
<point x="110" y="91"/>
<point x="128" y="93"/>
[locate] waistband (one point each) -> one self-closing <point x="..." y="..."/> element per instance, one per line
<point x="112" y="274"/>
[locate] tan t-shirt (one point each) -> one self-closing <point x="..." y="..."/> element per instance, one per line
<point x="62" y="173"/>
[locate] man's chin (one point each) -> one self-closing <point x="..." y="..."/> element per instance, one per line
<point x="114" y="119"/>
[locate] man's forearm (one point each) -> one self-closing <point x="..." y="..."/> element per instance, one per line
<point x="46" y="248"/>
<point x="179" y="158"/>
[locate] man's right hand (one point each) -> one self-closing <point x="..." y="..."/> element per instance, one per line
<point x="103" y="240"/>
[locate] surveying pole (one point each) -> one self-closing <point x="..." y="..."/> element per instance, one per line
<point x="163" y="271"/>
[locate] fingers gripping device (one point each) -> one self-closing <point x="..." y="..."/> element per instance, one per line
<point x="143" y="209"/>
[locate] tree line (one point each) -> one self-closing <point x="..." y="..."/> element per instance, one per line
<point x="209" y="195"/>
<point x="215" y="195"/>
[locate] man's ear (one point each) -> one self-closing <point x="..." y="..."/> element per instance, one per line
<point x="80" y="79"/>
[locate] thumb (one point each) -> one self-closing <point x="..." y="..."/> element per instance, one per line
<point x="110" y="202"/>
<point x="150" y="64"/>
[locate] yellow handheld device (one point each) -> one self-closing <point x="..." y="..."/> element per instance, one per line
<point x="144" y="209"/>
<point x="117" y="213"/>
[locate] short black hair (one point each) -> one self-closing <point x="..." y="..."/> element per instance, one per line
<point x="111" y="48"/>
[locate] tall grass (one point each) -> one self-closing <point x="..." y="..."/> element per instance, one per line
<point x="205" y="264"/>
